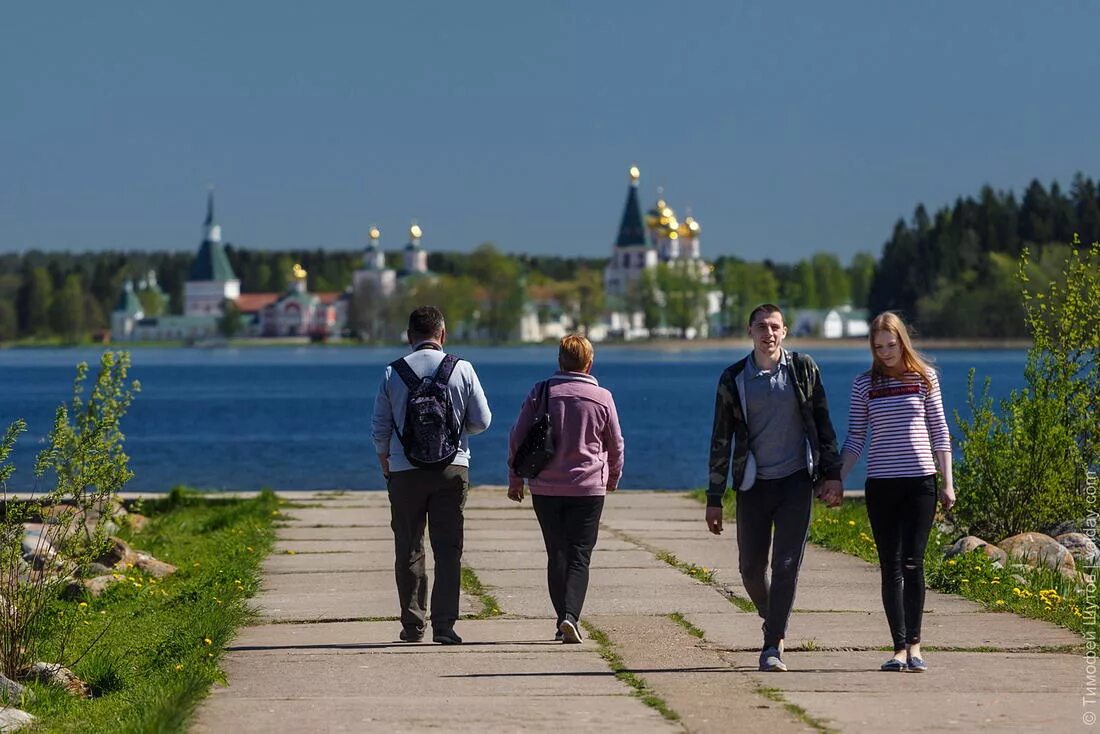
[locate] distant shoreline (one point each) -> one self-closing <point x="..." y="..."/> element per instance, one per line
<point x="677" y="345"/>
<point x="657" y="345"/>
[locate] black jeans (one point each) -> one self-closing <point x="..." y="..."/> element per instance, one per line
<point x="438" y="497"/>
<point x="901" y="511"/>
<point x="570" y="526"/>
<point x="782" y="505"/>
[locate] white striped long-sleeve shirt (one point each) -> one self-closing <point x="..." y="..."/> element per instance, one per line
<point x="906" y="421"/>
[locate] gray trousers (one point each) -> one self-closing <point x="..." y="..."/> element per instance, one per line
<point x="773" y="515"/>
<point x="435" y="497"/>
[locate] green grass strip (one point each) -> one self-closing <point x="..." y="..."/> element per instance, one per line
<point x="638" y="686"/>
<point x="162" y="639"/>
<point x="776" y="695"/>
<point x="472" y="585"/>
<point x="683" y="622"/>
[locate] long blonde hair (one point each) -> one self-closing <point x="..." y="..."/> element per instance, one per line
<point x="911" y="359"/>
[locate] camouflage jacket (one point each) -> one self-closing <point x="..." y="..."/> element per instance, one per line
<point x="731" y="429"/>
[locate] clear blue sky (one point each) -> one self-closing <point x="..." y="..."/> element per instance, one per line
<point x="787" y="127"/>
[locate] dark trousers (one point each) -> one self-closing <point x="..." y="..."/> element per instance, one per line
<point x="437" y="497"/>
<point x="570" y="526"/>
<point x="901" y="511"/>
<point x="782" y="506"/>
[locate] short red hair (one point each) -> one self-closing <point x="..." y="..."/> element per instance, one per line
<point x="574" y="353"/>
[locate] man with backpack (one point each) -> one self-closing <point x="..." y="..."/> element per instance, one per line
<point x="428" y="405"/>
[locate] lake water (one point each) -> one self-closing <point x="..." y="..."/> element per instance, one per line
<point x="299" y="417"/>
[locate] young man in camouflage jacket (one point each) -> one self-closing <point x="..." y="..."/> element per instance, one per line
<point x="771" y="412"/>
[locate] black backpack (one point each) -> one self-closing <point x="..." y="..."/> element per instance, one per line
<point x="537" y="448"/>
<point x="430" y="437"/>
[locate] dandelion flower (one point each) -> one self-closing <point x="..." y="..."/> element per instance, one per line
<point x="1000" y="602"/>
<point x="852" y="523"/>
<point x="179" y="666"/>
<point x="207" y="641"/>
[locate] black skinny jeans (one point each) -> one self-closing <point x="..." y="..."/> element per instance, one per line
<point x="901" y="511"/>
<point x="782" y="506"/>
<point x="570" y="526"/>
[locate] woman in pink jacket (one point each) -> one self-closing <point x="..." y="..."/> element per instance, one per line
<point x="568" y="493"/>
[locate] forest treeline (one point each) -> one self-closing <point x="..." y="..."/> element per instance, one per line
<point x="952" y="273"/>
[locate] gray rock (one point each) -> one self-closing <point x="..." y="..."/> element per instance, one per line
<point x="96" y="569"/>
<point x="58" y="675"/>
<point x="98" y="585"/>
<point x="153" y="567"/>
<point x="118" y="552"/>
<point x="972" y="542"/>
<point x="1069" y="526"/>
<point x="1082" y="548"/>
<point x="1036" y="549"/>
<point x="12" y="693"/>
<point x="14" y="720"/>
<point x="37" y="551"/>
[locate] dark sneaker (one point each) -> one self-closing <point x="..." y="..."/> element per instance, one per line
<point x="770" y="660"/>
<point x="446" y="637"/>
<point x="411" y="634"/>
<point x="570" y="634"/>
<point x="893" y="665"/>
<point x="916" y="665"/>
<point x="557" y="635"/>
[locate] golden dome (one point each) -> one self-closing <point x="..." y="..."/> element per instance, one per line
<point x="374" y="233"/>
<point x="298" y="272"/>
<point x="414" y="231"/>
<point x="689" y="227"/>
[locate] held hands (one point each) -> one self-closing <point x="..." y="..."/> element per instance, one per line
<point x="714" y="520"/>
<point x="947" y="497"/>
<point x="831" y="492"/>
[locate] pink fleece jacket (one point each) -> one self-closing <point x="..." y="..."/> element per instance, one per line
<point x="587" y="438"/>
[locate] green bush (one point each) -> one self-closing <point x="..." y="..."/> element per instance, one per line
<point x="1024" y="460"/>
<point x="85" y="456"/>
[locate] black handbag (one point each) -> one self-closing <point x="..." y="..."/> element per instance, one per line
<point x="537" y="448"/>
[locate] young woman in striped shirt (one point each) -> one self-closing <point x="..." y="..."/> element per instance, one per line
<point x="898" y="399"/>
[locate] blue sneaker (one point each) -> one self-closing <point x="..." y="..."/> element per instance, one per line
<point x="770" y="660"/>
<point x="894" y="665"/>
<point x="916" y="665"/>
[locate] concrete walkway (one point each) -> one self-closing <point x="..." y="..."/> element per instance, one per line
<point x="326" y="657"/>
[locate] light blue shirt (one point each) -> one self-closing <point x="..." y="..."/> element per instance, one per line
<point x="467" y="399"/>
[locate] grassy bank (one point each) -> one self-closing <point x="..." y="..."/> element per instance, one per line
<point x="157" y="643"/>
<point x="1038" y="593"/>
